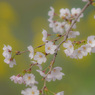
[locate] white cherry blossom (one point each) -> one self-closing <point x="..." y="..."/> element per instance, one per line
<point x="51" y="24"/>
<point x="40" y="58"/>
<point x="44" y="75"/>
<point x="7" y="51"/>
<point x="74" y="54"/>
<point x="41" y="73"/>
<point x="29" y="79"/>
<point x="60" y="93"/>
<point x="79" y="53"/>
<point x="31" y="50"/>
<point x="86" y="49"/>
<point x="68" y="52"/>
<point x="56" y="27"/>
<point x="61" y="27"/>
<point x="64" y="13"/>
<point x="75" y="13"/>
<point x="10" y="61"/>
<point x="56" y="74"/>
<point x="30" y="91"/>
<point x="51" y="12"/>
<point x="8" y="56"/>
<point x="50" y="47"/>
<point x="91" y="41"/>
<point x="44" y="32"/>
<point x="17" y="79"/>
<point x="68" y="44"/>
<point x="67" y="27"/>
<point x="73" y="34"/>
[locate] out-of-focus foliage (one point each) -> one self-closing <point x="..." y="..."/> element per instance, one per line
<point x="21" y="24"/>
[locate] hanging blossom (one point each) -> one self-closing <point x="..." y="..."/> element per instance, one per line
<point x="42" y="73"/>
<point x="7" y="51"/>
<point x="30" y="91"/>
<point x="51" y="12"/>
<point x="79" y="53"/>
<point x="29" y="79"/>
<point x="45" y="35"/>
<point x="86" y="49"/>
<point x="11" y="61"/>
<point x="91" y="41"/>
<point x="61" y="27"/>
<point x="60" y="93"/>
<point x="17" y="79"/>
<point x="64" y="13"/>
<point x="50" y="47"/>
<point x="31" y="50"/>
<point x="40" y="58"/>
<point x="55" y="74"/>
<point x="70" y="48"/>
<point x="8" y="56"/>
<point x="75" y="13"/>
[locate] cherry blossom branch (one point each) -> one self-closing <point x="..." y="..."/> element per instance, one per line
<point x="60" y="36"/>
<point x="65" y="38"/>
<point x="50" y="72"/>
<point x="84" y="8"/>
<point x="89" y="2"/>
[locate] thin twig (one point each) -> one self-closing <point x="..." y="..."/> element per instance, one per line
<point x="18" y="52"/>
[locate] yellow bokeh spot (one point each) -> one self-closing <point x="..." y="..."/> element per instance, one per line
<point x="7" y="18"/>
<point x="38" y="24"/>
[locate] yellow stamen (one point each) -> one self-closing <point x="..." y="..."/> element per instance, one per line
<point x="48" y="48"/>
<point x="54" y="70"/>
<point x="79" y="51"/>
<point x="40" y="56"/>
<point x="70" y="46"/>
<point x="33" y="92"/>
<point x="29" y="78"/>
<point x="90" y="41"/>
<point x="84" y="48"/>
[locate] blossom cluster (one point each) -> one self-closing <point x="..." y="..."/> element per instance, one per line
<point x="37" y="59"/>
<point x="29" y="80"/>
<point x="81" y="51"/>
<point x="66" y="19"/>
<point x="64" y="27"/>
<point x="54" y="74"/>
<point x="8" y="56"/>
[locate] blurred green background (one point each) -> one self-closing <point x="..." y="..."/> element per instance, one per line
<point x="21" y="24"/>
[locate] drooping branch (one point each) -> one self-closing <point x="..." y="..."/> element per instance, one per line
<point x="65" y="38"/>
